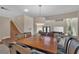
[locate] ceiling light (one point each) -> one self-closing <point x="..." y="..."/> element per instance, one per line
<point x="26" y="10"/>
<point x="39" y="23"/>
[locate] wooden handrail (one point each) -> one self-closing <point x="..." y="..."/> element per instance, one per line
<point x="13" y="31"/>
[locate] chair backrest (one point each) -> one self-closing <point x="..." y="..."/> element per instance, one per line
<point x="67" y="43"/>
<point x="12" y="49"/>
<point x="76" y="50"/>
<point x="22" y="50"/>
<point x="73" y="47"/>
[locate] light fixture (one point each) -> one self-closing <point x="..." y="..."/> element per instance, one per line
<point x="39" y="23"/>
<point x="4" y="8"/>
<point x="26" y="10"/>
<point x="40" y="6"/>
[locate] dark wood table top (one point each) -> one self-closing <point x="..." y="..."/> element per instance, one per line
<point x="48" y="44"/>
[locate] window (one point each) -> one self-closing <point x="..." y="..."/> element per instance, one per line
<point x="46" y="28"/>
<point x="39" y="27"/>
<point x="58" y="29"/>
<point x="72" y="26"/>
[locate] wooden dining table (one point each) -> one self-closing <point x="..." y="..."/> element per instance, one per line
<point x="45" y="44"/>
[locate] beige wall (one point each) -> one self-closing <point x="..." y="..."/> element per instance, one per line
<point x="29" y="24"/>
<point x="47" y="22"/>
<point x="38" y="20"/>
<point x="24" y="23"/>
<point x="51" y="21"/>
<point x="54" y="23"/>
<point x="4" y="27"/>
<point x="19" y="22"/>
<point x="64" y="16"/>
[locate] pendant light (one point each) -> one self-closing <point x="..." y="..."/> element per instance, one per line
<point x="40" y="10"/>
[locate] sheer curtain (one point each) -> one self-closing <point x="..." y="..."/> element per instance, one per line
<point x="72" y="26"/>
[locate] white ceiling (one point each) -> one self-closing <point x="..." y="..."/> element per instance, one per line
<point x="34" y="10"/>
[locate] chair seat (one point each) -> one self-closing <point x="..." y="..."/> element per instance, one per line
<point x="22" y="45"/>
<point x="37" y="52"/>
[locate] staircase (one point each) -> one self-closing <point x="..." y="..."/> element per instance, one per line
<point x="13" y="31"/>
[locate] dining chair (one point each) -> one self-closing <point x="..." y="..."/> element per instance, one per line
<point x="76" y="50"/>
<point x="73" y="47"/>
<point x="20" y="49"/>
<point x="34" y="51"/>
<point x="12" y="49"/>
<point x="63" y="48"/>
<point x="67" y="43"/>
